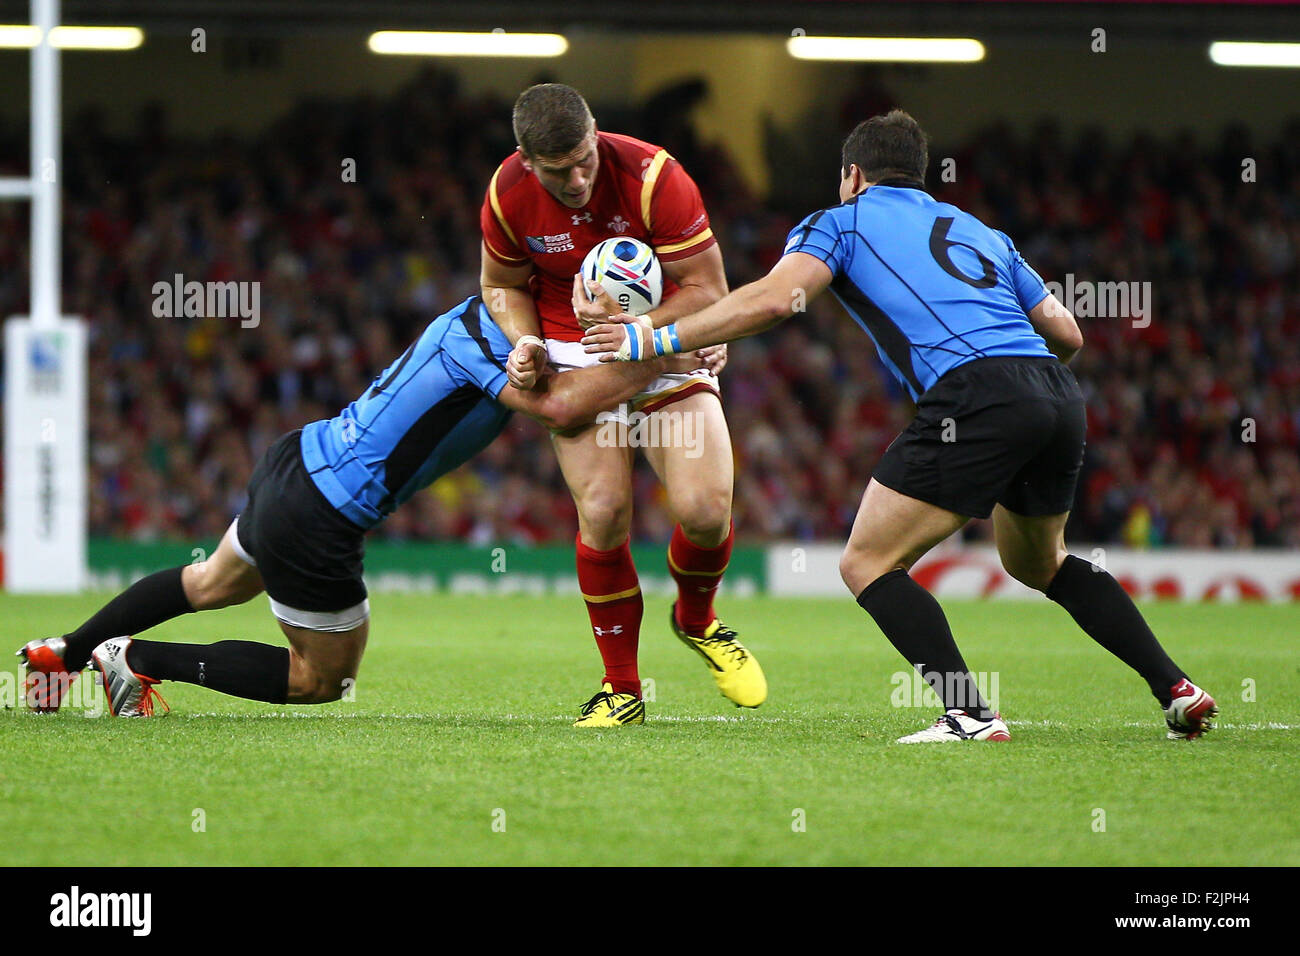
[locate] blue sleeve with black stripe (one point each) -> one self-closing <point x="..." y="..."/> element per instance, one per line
<point x="475" y="350"/>
<point x="820" y="235"/>
<point x="1029" y="285"/>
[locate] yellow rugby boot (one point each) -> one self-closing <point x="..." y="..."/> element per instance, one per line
<point x="735" y="669"/>
<point x="608" y="709"/>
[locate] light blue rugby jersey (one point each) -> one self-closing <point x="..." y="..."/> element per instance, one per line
<point x="430" y="411"/>
<point x="933" y="286"/>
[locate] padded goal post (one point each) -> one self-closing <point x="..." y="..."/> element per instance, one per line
<point x="45" y="367"/>
<point x="45" y="455"/>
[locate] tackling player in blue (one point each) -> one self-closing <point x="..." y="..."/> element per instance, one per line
<point x="971" y="332"/>
<point x="311" y="500"/>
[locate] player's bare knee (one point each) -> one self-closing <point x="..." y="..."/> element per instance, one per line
<point x="705" y="515"/>
<point x="207" y="589"/>
<point x="848" y="570"/>
<point x="1036" y="572"/>
<point x="859" y="567"/>
<point x="310" y="684"/>
<point x="332" y="686"/>
<point x="202" y="589"/>
<point x="609" y="514"/>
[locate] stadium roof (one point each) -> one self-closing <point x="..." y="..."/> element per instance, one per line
<point x="1193" y="21"/>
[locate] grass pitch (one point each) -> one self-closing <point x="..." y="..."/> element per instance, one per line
<point x="458" y="749"/>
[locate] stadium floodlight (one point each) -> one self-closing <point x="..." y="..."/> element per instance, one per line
<point x="19" y="37"/>
<point x="1233" y="53"/>
<point x="887" y="49"/>
<point x="96" y="38"/>
<point x="424" y="43"/>
<point x="26" y="37"/>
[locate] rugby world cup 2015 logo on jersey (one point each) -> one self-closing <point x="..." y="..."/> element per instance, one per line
<point x="560" y="242"/>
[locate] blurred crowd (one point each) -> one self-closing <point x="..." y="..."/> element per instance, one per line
<point x="1194" y="419"/>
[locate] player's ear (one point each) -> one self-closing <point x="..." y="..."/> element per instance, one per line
<point x="848" y="182"/>
<point x="523" y="158"/>
<point x="859" y="179"/>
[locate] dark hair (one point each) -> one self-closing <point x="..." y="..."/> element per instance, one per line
<point x="890" y="146"/>
<point x="551" y="119"/>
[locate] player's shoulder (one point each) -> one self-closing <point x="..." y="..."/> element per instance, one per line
<point x="628" y="149"/>
<point x="839" y="215"/>
<point x="634" y="160"/>
<point x="975" y="228"/>
<point x="869" y="202"/>
<point x="508" y="179"/>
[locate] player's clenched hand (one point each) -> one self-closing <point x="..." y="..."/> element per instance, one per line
<point x="526" y="363"/>
<point x="592" y="311"/>
<point x="628" y="341"/>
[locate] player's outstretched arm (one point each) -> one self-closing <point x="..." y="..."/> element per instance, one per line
<point x="701" y="280"/>
<point x="751" y="309"/>
<point x="573" y="398"/>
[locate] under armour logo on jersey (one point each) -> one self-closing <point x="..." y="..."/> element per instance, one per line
<point x="619" y="225"/>
<point x="580" y="217"/>
<point x="601" y="631"/>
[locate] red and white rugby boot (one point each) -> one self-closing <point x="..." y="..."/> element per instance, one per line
<point x="129" y="694"/>
<point x="1190" y="713"/>
<point x="48" y="678"/>
<point x="959" y="725"/>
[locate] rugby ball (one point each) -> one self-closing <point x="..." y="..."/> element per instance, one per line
<point x="629" y="271"/>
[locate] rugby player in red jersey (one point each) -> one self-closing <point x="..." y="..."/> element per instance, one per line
<point x="567" y="187"/>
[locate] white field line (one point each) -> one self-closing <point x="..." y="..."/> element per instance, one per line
<point x="1269" y="725"/>
<point x="307" y="715"/>
<point x="656" y="719"/>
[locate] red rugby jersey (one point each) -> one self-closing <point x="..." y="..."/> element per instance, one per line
<point x="640" y="191"/>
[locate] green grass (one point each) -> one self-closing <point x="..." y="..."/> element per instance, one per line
<point x="464" y="705"/>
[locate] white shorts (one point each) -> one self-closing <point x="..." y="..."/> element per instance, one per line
<point x="666" y="389"/>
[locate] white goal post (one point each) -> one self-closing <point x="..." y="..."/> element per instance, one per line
<point x="45" y="368"/>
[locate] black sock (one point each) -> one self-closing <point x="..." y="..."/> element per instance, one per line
<point x="915" y="624"/>
<point x="239" y="668"/>
<point x="1104" y="610"/>
<point x="145" y="604"/>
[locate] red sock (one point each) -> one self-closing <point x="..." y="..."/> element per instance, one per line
<point x="609" y="586"/>
<point x="698" y="572"/>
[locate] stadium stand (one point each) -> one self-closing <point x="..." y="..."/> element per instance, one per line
<point x="181" y="408"/>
